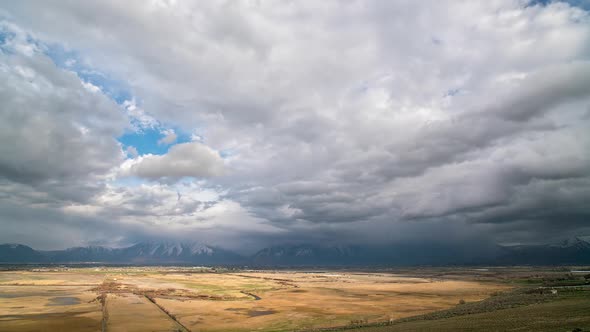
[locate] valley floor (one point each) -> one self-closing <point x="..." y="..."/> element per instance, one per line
<point x="204" y="299"/>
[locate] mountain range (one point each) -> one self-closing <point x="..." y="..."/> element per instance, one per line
<point x="569" y="252"/>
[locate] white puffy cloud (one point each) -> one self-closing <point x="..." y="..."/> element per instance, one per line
<point x="191" y="159"/>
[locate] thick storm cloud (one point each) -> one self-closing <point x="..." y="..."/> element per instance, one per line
<point x="245" y="123"/>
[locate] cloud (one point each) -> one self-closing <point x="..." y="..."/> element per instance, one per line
<point x="56" y="134"/>
<point x="139" y="119"/>
<point x="184" y="211"/>
<point x="543" y="90"/>
<point x="169" y="137"/>
<point x="191" y="159"/>
<point x="132" y="151"/>
<point x="332" y="118"/>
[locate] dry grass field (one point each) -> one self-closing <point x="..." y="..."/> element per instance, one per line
<point x="571" y="313"/>
<point x="200" y="299"/>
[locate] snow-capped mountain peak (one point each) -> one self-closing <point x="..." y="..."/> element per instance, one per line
<point x="173" y="249"/>
<point x="574" y="242"/>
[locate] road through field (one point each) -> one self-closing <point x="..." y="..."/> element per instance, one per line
<point x="135" y="313"/>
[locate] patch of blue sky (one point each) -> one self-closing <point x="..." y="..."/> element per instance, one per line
<point x="5" y="36"/>
<point x="71" y="60"/>
<point x="147" y="141"/>
<point x="583" y="4"/>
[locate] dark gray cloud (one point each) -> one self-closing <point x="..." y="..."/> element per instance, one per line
<point x="52" y="126"/>
<point x="57" y="132"/>
<point x="338" y="121"/>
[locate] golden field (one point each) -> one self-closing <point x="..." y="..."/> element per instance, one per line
<point x="202" y="299"/>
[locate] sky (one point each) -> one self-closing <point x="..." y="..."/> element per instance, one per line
<point x="245" y="124"/>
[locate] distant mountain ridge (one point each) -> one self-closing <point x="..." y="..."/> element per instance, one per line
<point x="18" y="253"/>
<point x="569" y="252"/>
<point x="305" y="254"/>
<point x="178" y="252"/>
<point x="141" y="253"/>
